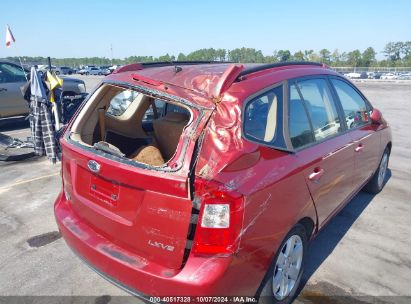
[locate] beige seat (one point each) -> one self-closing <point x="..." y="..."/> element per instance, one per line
<point x="167" y="131"/>
<point x="149" y="155"/>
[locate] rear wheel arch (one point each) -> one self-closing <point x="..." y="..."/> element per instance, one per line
<point x="377" y="181"/>
<point x="309" y="225"/>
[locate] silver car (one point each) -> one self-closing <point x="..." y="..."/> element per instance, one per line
<point x="12" y="77"/>
<point x="94" y="71"/>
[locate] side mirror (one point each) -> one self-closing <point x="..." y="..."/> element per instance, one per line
<point x="376" y="117"/>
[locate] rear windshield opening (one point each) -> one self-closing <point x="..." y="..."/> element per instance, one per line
<point x="130" y="124"/>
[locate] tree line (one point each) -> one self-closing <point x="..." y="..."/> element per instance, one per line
<point x="397" y="54"/>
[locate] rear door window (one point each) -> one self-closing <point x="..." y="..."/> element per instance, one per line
<point x="312" y="114"/>
<point x="320" y="107"/>
<point x="355" y="107"/>
<point x="299" y="125"/>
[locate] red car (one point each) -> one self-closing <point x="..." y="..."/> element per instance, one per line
<point x="208" y="179"/>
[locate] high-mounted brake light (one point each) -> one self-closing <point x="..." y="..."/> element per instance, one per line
<point x="220" y="219"/>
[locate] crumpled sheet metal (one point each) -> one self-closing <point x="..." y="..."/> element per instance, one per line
<point x="222" y="141"/>
<point x="208" y="80"/>
<point x="202" y="78"/>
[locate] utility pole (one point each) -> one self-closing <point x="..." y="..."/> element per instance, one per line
<point x="111" y="50"/>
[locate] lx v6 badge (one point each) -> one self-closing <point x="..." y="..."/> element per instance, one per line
<point x="161" y="245"/>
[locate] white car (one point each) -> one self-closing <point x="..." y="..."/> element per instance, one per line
<point x="327" y="130"/>
<point x="82" y="71"/>
<point x="94" y="71"/>
<point x="406" y="76"/>
<point x="353" y="75"/>
<point x="388" y="76"/>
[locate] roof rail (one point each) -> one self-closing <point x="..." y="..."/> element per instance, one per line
<point x="157" y="64"/>
<point x="185" y="62"/>
<point x="262" y="67"/>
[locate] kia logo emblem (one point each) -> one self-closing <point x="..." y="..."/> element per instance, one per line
<point x="93" y="166"/>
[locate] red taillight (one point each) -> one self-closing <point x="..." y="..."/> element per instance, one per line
<point x="220" y="220"/>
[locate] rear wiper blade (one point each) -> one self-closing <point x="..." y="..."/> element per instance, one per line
<point x="108" y="148"/>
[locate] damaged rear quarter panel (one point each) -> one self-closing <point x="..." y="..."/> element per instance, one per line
<point x="276" y="196"/>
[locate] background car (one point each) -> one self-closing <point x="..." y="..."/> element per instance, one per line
<point x="377" y="75"/>
<point x="82" y="71"/>
<point x="370" y="75"/>
<point x="374" y="75"/>
<point x="65" y="70"/>
<point x="85" y="69"/>
<point x="388" y="76"/>
<point x="353" y="75"/>
<point x="363" y="75"/>
<point x="104" y="67"/>
<point x="114" y="67"/>
<point x="94" y="71"/>
<point x="107" y="71"/>
<point x="12" y="78"/>
<point x="405" y="76"/>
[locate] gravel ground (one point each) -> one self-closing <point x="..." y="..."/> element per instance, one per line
<point x="364" y="251"/>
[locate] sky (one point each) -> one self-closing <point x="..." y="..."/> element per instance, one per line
<point x="89" y="28"/>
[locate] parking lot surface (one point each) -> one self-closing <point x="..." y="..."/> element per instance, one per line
<point x="363" y="253"/>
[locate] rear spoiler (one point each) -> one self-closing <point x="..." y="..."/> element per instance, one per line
<point x="224" y="82"/>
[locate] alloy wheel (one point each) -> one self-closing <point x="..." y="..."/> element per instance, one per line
<point x="287" y="267"/>
<point x="382" y="170"/>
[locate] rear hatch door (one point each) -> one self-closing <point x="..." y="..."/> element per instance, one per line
<point x="145" y="211"/>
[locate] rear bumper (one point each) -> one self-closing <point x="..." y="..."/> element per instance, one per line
<point x="114" y="281"/>
<point x="137" y="275"/>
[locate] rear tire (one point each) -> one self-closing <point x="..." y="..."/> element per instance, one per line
<point x="283" y="278"/>
<point x="377" y="181"/>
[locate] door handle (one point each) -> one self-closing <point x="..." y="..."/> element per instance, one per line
<point x="316" y="175"/>
<point x="359" y="148"/>
<point x="3" y="89"/>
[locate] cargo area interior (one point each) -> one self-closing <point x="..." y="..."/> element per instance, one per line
<point x="130" y="124"/>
